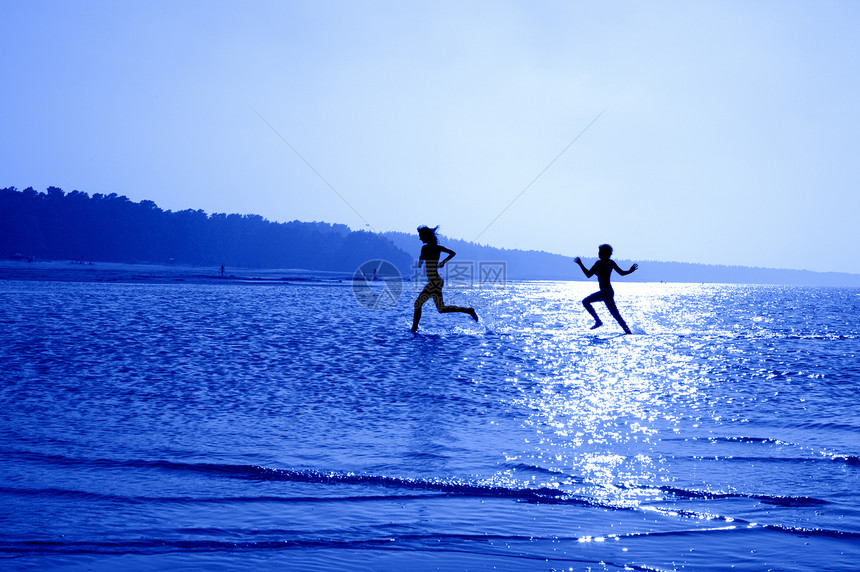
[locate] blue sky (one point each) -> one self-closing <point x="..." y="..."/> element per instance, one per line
<point x="729" y="131"/>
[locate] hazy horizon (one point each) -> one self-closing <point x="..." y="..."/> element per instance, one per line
<point x="719" y="133"/>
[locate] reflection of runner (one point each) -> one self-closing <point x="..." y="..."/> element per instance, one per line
<point x="430" y="253"/>
<point x="603" y="268"/>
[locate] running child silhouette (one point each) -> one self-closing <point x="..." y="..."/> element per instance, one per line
<point x="603" y="268"/>
<point x="430" y="253"/>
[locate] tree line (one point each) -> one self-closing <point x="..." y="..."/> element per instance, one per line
<point x="111" y="228"/>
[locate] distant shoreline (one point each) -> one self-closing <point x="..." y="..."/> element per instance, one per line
<point x="144" y="273"/>
<point x="128" y="273"/>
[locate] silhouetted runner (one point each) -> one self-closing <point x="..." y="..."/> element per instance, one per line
<point x="603" y="268"/>
<point x="430" y="253"/>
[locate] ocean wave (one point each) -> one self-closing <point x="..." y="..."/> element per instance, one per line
<point x="767" y="499"/>
<point x="822" y="456"/>
<point x="258" y="473"/>
<point x="434" y="487"/>
<point x="279" y="540"/>
<point x="402" y="489"/>
<point x="540" y="470"/>
<point x="827" y="426"/>
<point x="103" y="497"/>
<point x="825" y="458"/>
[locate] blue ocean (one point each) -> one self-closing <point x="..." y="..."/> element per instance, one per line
<point x="286" y="426"/>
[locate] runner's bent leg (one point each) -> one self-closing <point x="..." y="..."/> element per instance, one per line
<point x="588" y="301"/>
<point x="443" y="309"/>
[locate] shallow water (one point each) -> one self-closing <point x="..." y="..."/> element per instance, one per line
<point x="233" y="426"/>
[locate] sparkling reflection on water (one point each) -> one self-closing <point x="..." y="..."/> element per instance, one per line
<point x="624" y="418"/>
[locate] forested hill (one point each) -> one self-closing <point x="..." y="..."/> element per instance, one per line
<point x="109" y="228"/>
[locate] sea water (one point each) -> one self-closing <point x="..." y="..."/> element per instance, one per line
<point x="287" y="426"/>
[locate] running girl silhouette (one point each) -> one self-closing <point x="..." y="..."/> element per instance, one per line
<point x="430" y="253"/>
<point x="603" y="268"/>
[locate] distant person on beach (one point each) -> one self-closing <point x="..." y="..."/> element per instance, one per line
<point x="603" y="268"/>
<point x="430" y="253"/>
<point x="222" y="270"/>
